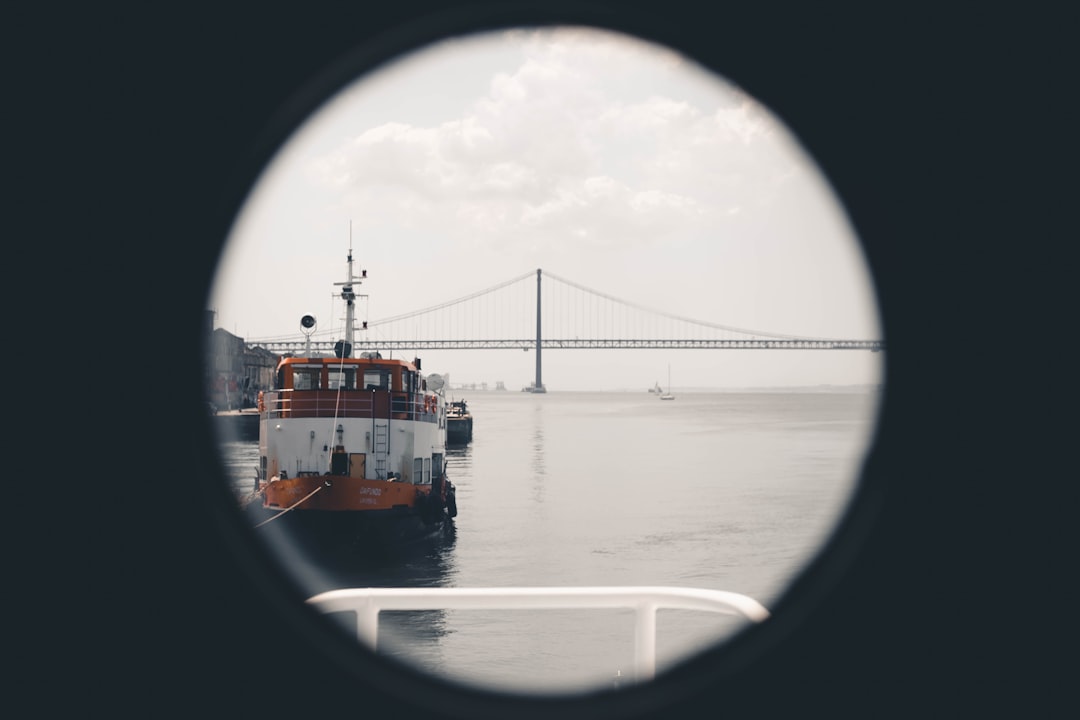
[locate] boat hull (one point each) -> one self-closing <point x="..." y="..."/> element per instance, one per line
<point x="458" y="430"/>
<point x="321" y="532"/>
<point x="331" y="512"/>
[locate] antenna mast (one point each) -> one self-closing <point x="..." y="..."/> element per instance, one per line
<point x="349" y="296"/>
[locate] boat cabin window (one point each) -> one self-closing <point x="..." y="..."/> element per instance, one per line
<point x="342" y="378"/>
<point x="307" y="378"/>
<point x="376" y="380"/>
<point x="418" y="471"/>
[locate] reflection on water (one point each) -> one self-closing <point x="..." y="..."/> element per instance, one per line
<point x="717" y="490"/>
<point x="538" y="454"/>
<point x="461" y="455"/>
<point x="408" y="636"/>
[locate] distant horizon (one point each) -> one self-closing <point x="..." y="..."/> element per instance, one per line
<point x="700" y="388"/>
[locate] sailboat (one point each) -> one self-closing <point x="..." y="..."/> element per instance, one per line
<point x="667" y="395"/>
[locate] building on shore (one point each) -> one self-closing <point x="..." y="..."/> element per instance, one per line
<point x="235" y="373"/>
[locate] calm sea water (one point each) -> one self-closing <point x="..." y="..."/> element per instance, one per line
<point x="721" y="490"/>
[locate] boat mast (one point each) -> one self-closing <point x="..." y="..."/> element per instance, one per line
<point x="349" y="296"/>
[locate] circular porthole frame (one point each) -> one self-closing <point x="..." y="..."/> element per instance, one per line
<point x="694" y="678"/>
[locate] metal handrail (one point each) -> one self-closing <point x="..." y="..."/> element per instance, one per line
<point x="351" y="403"/>
<point x="643" y="600"/>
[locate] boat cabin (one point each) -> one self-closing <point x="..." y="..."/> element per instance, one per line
<point x="352" y="387"/>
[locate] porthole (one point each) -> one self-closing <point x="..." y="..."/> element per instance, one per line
<point x="662" y="189"/>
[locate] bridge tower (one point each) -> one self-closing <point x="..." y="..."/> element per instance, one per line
<point x="538" y="386"/>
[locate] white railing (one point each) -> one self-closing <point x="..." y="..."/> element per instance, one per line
<point x="349" y="403"/>
<point x="644" y="601"/>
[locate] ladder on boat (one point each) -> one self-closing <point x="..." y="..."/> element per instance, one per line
<point x="382" y="448"/>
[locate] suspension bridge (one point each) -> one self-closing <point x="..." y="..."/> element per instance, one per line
<point x="523" y="313"/>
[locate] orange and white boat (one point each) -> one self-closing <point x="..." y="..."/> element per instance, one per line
<point x="353" y="448"/>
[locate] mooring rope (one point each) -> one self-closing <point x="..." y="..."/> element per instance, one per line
<point x="291" y="506"/>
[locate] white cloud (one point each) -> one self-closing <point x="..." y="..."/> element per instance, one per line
<point x="600" y="159"/>
<point x="552" y="149"/>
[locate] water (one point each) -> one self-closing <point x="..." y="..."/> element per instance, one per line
<point x="722" y="490"/>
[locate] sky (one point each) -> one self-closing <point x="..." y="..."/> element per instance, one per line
<point x="605" y="160"/>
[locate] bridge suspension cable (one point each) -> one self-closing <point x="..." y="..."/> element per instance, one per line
<point x="450" y="303"/>
<point x="573" y="316"/>
<point x="679" y="318"/>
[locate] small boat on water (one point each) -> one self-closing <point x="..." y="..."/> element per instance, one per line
<point x="352" y="449"/>
<point x="667" y="395"/>
<point x="459" y="422"/>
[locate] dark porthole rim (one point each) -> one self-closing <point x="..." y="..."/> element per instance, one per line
<point x="723" y="662"/>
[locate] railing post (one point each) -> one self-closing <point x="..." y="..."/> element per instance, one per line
<point x="644" y="641"/>
<point x="367" y="624"/>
